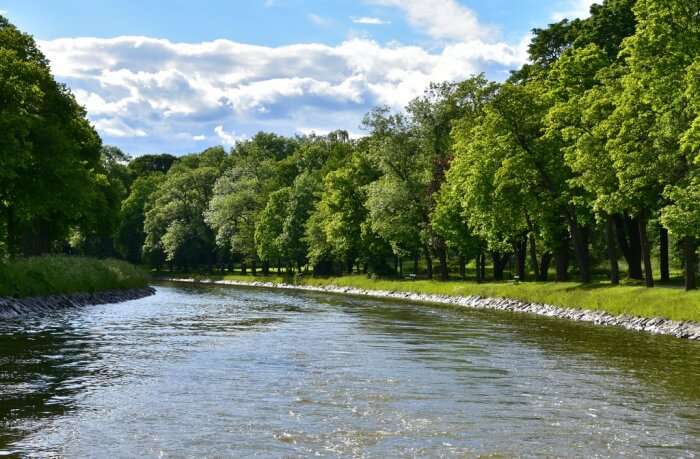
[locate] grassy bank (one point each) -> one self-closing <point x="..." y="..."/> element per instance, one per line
<point x="670" y="303"/>
<point x="49" y="275"/>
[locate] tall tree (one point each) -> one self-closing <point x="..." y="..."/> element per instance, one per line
<point x="49" y="149"/>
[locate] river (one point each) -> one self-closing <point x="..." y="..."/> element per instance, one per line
<point x="235" y="372"/>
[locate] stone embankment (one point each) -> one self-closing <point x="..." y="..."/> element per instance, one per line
<point x="17" y="307"/>
<point x="656" y="325"/>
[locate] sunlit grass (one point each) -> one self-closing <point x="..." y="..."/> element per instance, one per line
<point x="48" y="275"/>
<point x="669" y="303"/>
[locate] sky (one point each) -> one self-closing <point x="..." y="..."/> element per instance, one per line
<point x="179" y="76"/>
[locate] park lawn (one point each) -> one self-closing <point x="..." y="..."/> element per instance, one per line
<point x="667" y="302"/>
<point x="50" y="275"/>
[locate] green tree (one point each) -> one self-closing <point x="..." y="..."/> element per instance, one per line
<point x="49" y="149"/>
<point x="130" y="232"/>
<point x="174" y="223"/>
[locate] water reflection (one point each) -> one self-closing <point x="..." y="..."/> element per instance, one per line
<point x="42" y="372"/>
<point x="211" y="371"/>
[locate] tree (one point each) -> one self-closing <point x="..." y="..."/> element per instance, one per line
<point x="397" y="202"/>
<point x="130" y="236"/>
<point x="334" y="230"/>
<point x="174" y="223"/>
<point x="49" y="149"/>
<point x="432" y="116"/>
<point x="254" y="170"/>
<point x="270" y="226"/>
<point x="651" y="113"/>
<point x="149" y="164"/>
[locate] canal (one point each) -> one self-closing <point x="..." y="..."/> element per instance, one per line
<point x="199" y="371"/>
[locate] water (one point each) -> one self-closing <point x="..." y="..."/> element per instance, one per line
<point x="234" y="372"/>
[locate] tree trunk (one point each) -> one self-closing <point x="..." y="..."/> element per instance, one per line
<point x="479" y="272"/>
<point x="499" y="264"/>
<point x="482" y="271"/>
<point x="462" y="267"/>
<point x="520" y="252"/>
<point x="612" y="251"/>
<point x="400" y="262"/>
<point x="35" y="241"/>
<point x="442" y="257"/>
<point x="243" y="268"/>
<point x="691" y="263"/>
<point x="663" y="254"/>
<point x="279" y="266"/>
<point x="254" y="268"/>
<point x="629" y="228"/>
<point x="266" y="267"/>
<point x="545" y="261"/>
<point x="428" y="263"/>
<point x="646" y="252"/>
<point x="579" y="235"/>
<point x="533" y="255"/>
<point x="561" y="261"/>
<point x="11" y="239"/>
<point x="415" y="263"/>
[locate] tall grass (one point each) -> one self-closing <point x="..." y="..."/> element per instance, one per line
<point x="47" y="275"/>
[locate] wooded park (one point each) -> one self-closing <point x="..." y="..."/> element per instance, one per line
<point x="584" y="164"/>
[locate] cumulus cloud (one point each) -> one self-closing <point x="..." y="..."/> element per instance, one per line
<point x="116" y="127"/>
<point x="366" y="20"/>
<point x="227" y="138"/>
<point x="573" y="9"/>
<point x="442" y="19"/>
<point x="147" y="94"/>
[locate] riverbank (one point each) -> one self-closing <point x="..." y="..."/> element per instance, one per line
<point x="17" y="307"/>
<point x="64" y="275"/>
<point x="51" y="283"/>
<point x="670" y="318"/>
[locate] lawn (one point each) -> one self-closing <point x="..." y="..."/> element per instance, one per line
<point x="667" y="302"/>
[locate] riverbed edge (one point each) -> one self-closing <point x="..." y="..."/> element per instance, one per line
<point x="18" y="307"/>
<point x="656" y="325"/>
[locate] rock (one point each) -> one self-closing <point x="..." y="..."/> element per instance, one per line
<point x="16" y="307"/>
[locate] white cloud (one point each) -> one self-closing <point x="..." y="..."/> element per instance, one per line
<point x="366" y="20"/>
<point x="3" y="12"/>
<point x="228" y="138"/>
<point x="118" y="128"/>
<point x="442" y="19"/>
<point x="199" y="138"/>
<point x="144" y="93"/>
<point x="319" y="20"/>
<point x="573" y="9"/>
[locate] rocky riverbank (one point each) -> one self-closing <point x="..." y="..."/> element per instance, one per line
<point x="656" y="325"/>
<point x="16" y="307"/>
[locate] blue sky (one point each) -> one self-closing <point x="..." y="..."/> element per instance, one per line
<point x="179" y="76"/>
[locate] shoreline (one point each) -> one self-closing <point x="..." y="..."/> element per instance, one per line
<point x="657" y="325"/>
<point x="11" y="308"/>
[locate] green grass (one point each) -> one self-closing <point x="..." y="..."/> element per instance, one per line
<point x="49" y="275"/>
<point x="666" y="302"/>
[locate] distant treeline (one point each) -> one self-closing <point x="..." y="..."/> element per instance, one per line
<point x="586" y="158"/>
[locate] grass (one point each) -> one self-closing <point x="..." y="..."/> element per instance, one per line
<point x="666" y="302"/>
<point x="47" y="275"/>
